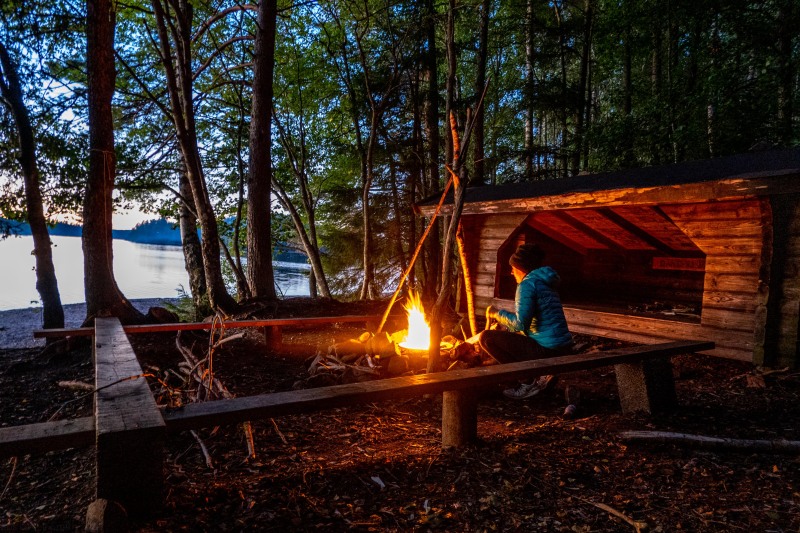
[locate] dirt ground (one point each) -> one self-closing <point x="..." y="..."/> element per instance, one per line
<point x="380" y="467"/>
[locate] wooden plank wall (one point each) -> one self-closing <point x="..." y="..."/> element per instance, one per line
<point x="730" y="233"/>
<point x="732" y="236"/>
<point x="484" y="235"/>
<point x="781" y="342"/>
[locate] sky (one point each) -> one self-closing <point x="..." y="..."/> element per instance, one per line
<point x="128" y="218"/>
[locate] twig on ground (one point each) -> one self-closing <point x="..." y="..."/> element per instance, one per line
<point x="278" y="431"/>
<point x="206" y="454"/>
<point x="13" y="462"/>
<point x="635" y="524"/>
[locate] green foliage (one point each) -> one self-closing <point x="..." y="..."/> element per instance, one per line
<point x="706" y="79"/>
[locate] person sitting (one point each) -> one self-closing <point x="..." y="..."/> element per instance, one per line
<point x="537" y="328"/>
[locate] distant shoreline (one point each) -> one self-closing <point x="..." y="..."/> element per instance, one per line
<point x="17" y="325"/>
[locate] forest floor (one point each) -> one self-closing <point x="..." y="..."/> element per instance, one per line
<point x="381" y="467"/>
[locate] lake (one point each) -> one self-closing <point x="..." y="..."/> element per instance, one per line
<point x="141" y="271"/>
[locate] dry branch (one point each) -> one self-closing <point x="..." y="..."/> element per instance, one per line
<point x="714" y="443"/>
<point x="209" y="387"/>
<point x="413" y="258"/>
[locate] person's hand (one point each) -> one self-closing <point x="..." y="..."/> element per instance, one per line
<point x="491" y="313"/>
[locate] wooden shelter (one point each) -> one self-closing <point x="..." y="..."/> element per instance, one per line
<point x="699" y="250"/>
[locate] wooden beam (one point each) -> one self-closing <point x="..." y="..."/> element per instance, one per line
<point x="194" y="326"/>
<point x="47" y="436"/>
<point x="746" y="186"/>
<point x="236" y="410"/>
<point x="129" y="427"/>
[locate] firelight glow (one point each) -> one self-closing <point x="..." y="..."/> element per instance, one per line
<point x="419" y="333"/>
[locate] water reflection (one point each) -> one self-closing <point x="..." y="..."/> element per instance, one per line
<point x="141" y="271"/>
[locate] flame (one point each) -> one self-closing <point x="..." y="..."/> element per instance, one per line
<point x="419" y="333"/>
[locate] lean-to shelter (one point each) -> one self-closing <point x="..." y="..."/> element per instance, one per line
<point x="699" y="250"/>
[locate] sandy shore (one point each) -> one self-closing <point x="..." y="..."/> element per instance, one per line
<point x="17" y="325"/>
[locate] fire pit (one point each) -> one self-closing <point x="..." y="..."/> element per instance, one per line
<point x="382" y="355"/>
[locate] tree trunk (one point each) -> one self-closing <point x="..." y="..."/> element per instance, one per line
<point x="259" y="233"/>
<point x="179" y="86"/>
<point x="450" y="86"/>
<point x="627" y="97"/>
<point x="711" y="105"/>
<point x="317" y="279"/>
<point x="582" y="100"/>
<point x="103" y="297"/>
<point x="397" y="226"/>
<point x="309" y="243"/>
<point x="655" y="90"/>
<point x="192" y="251"/>
<point x="46" y="282"/>
<point x="786" y="31"/>
<point x="242" y="287"/>
<point x="478" y="177"/>
<point x="562" y="55"/>
<point x="529" y="90"/>
<point x="431" y="259"/>
<point x="368" y="286"/>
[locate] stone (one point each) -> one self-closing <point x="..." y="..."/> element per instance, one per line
<point x="106" y="516"/>
<point x="160" y="315"/>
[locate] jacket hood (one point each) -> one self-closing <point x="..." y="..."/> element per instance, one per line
<point x="546" y="275"/>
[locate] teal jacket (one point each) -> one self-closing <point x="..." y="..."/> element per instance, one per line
<point x="539" y="313"/>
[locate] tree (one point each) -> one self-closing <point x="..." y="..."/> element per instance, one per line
<point x="259" y="236"/>
<point x="432" y="183"/>
<point x="175" y="31"/>
<point x="103" y="297"/>
<point x="46" y="282"/>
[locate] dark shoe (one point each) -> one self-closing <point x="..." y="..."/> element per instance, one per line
<point x="528" y="390"/>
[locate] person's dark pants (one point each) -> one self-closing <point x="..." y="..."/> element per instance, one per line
<point x="507" y="347"/>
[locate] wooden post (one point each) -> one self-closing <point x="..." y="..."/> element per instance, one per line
<point x="646" y="386"/>
<point x="129" y="427"/>
<point x="462" y="253"/>
<point x="459" y="418"/>
<point x="273" y="338"/>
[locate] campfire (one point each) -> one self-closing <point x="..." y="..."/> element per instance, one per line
<point x="419" y="332"/>
<point x="374" y="356"/>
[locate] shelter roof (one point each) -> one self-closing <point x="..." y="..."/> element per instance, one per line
<point x="749" y="166"/>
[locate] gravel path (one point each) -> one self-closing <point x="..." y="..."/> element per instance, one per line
<point x="17" y="325"/>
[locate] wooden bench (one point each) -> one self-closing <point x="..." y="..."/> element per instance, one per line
<point x="128" y="428"/>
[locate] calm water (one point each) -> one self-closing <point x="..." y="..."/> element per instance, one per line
<point x="142" y="271"/>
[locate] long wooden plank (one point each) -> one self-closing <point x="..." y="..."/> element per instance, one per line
<point x="697" y="229"/>
<point x="128" y="424"/>
<point x="193" y="326"/>
<point x="731" y="344"/>
<point x="744" y="264"/>
<point x="47" y="436"/>
<point x="302" y="401"/>
<point x="729" y="319"/>
<point x="50" y="436"/>
<point x="730" y="210"/>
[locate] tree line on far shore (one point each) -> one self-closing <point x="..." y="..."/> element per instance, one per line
<point x="321" y="123"/>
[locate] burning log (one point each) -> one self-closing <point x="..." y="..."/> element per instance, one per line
<point x="378" y="356"/>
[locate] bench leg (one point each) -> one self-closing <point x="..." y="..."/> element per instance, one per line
<point x="459" y="418"/>
<point x="646" y="386"/>
<point x="273" y="338"/>
<point x="130" y="469"/>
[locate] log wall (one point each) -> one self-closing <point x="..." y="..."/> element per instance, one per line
<point x="778" y="344"/>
